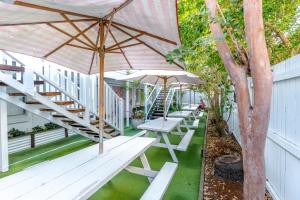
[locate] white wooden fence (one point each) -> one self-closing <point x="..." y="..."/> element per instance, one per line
<point x="283" y="142"/>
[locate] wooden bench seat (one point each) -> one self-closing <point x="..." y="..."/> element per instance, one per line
<point x="77" y="175"/>
<point x="183" y="145"/>
<point x="159" y="185"/>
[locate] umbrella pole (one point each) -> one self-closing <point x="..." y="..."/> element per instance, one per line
<point x="101" y="87"/>
<point x="165" y="96"/>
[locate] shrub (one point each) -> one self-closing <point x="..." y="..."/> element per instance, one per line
<point x="51" y="126"/>
<point x="15" y="133"/>
<point x="37" y="129"/>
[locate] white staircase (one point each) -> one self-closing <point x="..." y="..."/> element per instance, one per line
<point x="68" y="101"/>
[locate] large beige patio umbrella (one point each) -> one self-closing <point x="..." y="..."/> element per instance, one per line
<point x="162" y="77"/>
<point x="93" y="36"/>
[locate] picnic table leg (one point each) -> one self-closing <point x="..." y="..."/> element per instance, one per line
<point x="146" y="165"/>
<point x="170" y="148"/>
<point x="194" y="116"/>
<point x="179" y="131"/>
<point x="186" y="125"/>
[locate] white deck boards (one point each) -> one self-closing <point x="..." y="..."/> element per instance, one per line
<point x="160" y="125"/>
<point x="184" y="114"/>
<point x="161" y="182"/>
<point x="184" y="143"/>
<point x="77" y="175"/>
<point x="190" y="108"/>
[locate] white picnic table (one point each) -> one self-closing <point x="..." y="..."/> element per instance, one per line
<point x="80" y="174"/>
<point x="163" y="128"/>
<point x="186" y="115"/>
<point x="193" y="108"/>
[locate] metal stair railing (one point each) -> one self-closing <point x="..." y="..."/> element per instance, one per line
<point x="170" y="97"/>
<point x="151" y="100"/>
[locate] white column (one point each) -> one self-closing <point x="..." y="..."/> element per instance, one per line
<point x="146" y="101"/>
<point x="3" y="136"/>
<point x="127" y="104"/>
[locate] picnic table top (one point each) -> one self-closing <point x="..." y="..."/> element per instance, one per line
<point x="184" y="114"/>
<point x="160" y="125"/>
<point x="190" y="108"/>
<point x="77" y="175"/>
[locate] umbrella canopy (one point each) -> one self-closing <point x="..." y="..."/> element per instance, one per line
<point x="93" y="36"/>
<point x="137" y="33"/>
<point x="156" y="77"/>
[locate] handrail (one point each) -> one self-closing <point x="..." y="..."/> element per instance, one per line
<point x="53" y="84"/>
<point x="169" y="99"/>
<point x="153" y="96"/>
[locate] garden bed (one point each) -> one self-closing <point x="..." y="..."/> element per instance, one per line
<point x="214" y="187"/>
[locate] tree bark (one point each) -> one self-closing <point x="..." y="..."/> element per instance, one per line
<point x="253" y="123"/>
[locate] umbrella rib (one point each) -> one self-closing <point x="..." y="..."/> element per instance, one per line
<point x="115" y="10"/>
<point x="147" y="45"/>
<point x="126" y="46"/>
<point x="157" y="80"/>
<point x="81" y="47"/>
<point x="124" y="41"/>
<point x="64" y="32"/>
<point x="144" y="32"/>
<point x="46" y="22"/>
<point x="78" y="29"/>
<point x="39" y="7"/>
<point x="70" y="40"/>
<point x="94" y="53"/>
<point x="113" y="37"/>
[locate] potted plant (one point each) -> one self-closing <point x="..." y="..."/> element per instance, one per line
<point x="137" y="118"/>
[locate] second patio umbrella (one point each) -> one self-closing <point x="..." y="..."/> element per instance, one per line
<point x="161" y="77"/>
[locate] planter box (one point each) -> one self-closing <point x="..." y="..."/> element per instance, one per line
<point x="136" y="122"/>
<point x="24" y="142"/>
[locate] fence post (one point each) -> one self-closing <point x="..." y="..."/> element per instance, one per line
<point x="85" y="89"/>
<point x="127" y="104"/>
<point x="28" y="81"/>
<point x="3" y="135"/>
<point x="146" y="101"/>
<point x="32" y="140"/>
<point x="66" y="132"/>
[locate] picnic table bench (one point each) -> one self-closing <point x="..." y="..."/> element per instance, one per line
<point x="80" y="174"/>
<point x="163" y="128"/>
<point x="186" y="115"/>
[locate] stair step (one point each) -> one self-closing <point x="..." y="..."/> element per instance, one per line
<point x="59" y="116"/>
<point x="85" y="129"/>
<point x="69" y="121"/>
<point x="60" y="103"/>
<point x="48" y="94"/>
<point x="35" y="83"/>
<point x="109" y="130"/>
<point x="12" y="68"/>
<point x="94" y="122"/>
<point x="73" y="110"/>
<point x="77" y="125"/>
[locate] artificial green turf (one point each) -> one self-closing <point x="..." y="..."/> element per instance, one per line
<point x="185" y="183"/>
<point x="23" y="159"/>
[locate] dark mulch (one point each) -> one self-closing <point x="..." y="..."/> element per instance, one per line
<point x="216" y="188"/>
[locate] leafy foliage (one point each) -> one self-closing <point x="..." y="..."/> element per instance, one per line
<point x="199" y="53"/>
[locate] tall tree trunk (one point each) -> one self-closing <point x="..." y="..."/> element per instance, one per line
<point x="253" y="123"/>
